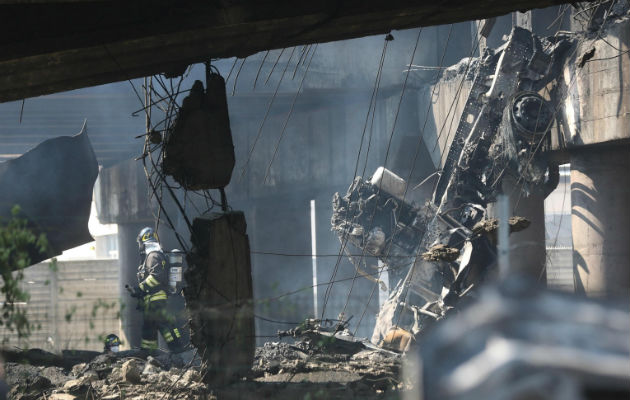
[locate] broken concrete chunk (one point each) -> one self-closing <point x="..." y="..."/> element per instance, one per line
<point x="517" y="224"/>
<point x="73" y="385"/>
<point x="30" y="389"/>
<point x="78" y="369"/>
<point x="81" y="384"/>
<point x="62" y="396"/>
<point x="222" y="321"/>
<point x="440" y="252"/>
<point x="115" y="375"/>
<point x="199" y="152"/>
<point x="150" y="369"/>
<point x="397" y="339"/>
<point x="56" y="375"/>
<point x="490" y="226"/>
<point x="132" y="371"/>
<point x="191" y="376"/>
<point x="53" y="184"/>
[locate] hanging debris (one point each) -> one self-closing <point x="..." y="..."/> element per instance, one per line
<point x="198" y="150"/>
<point x="445" y="249"/>
<point x="60" y="173"/>
<point x="372" y="216"/>
<point x="501" y="133"/>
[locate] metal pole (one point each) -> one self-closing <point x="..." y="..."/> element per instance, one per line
<point x="314" y="256"/>
<point x="503" y="245"/>
<point x="383" y="295"/>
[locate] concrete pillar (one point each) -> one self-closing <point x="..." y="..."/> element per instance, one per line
<point x="121" y="196"/>
<point x="528" y="252"/>
<point x="220" y="296"/>
<point x="527" y="247"/>
<point x="600" y="197"/>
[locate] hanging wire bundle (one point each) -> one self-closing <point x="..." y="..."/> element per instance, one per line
<point x="161" y="106"/>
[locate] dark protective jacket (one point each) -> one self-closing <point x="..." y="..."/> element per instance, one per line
<point x="153" y="277"/>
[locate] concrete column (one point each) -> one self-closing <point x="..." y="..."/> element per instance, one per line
<point x="527" y="247"/>
<point x="121" y="198"/>
<point x="129" y="259"/>
<point x="528" y="252"/>
<point x="600" y="197"/>
<point x="220" y="296"/>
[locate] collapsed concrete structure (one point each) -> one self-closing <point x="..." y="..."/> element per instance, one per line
<point x="500" y="135"/>
<point x="502" y="127"/>
<point x="502" y="144"/>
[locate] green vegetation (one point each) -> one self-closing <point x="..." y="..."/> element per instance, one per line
<point x="17" y="241"/>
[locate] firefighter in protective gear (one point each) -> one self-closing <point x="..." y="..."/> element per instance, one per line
<point x="151" y="292"/>
<point x="112" y="344"/>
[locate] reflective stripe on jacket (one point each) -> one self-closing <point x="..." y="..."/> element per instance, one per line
<point x="153" y="273"/>
<point x="161" y="295"/>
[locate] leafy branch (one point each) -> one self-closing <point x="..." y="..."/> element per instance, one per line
<point x="17" y="241"/>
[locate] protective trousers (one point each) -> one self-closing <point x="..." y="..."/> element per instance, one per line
<point x="157" y="318"/>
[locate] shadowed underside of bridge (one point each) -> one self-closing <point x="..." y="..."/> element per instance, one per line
<point x="47" y="46"/>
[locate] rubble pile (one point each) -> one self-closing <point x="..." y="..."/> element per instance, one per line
<point x="367" y="373"/>
<point x="309" y="367"/>
<point x="107" y="376"/>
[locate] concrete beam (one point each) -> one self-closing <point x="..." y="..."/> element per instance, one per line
<point x="47" y="48"/>
<point x="597" y="79"/>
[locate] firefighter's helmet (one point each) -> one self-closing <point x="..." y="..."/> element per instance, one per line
<point x="146" y="235"/>
<point x="112" y="343"/>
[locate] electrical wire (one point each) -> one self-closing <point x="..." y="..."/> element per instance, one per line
<point x="297" y="64"/>
<point x="262" y="124"/>
<point x="387" y="152"/>
<point x="555" y="113"/>
<point x="231" y="69"/>
<point x="286" y="121"/>
<point x="413" y="164"/>
<point x="454" y="101"/>
<point x="344" y="240"/>
<point x="238" y="73"/>
<point x="260" y="68"/>
<point x="273" y="67"/>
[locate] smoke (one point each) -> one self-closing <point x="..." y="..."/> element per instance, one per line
<point x="313" y="140"/>
<point x="290" y="149"/>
